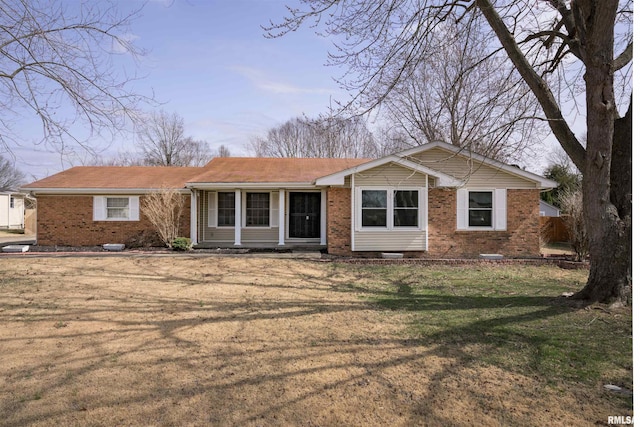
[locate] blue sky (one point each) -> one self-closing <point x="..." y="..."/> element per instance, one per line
<point x="209" y="62"/>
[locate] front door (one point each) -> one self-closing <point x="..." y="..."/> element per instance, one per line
<point x="304" y="215"/>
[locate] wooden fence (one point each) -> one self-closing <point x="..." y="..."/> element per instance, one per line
<point x="553" y="229"/>
<point x="29" y="221"/>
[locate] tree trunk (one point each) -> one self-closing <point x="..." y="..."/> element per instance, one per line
<point x="609" y="231"/>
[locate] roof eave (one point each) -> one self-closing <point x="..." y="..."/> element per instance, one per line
<point x="78" y="191"/>
<point x="249" y="185"/>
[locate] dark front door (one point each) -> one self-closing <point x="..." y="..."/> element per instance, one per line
<point x="304" y="215"/>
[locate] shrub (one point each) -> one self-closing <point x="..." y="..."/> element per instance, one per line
<point x="164" y="209"/>
<point x="182" y="244"/>
<point x="571" y="203"/>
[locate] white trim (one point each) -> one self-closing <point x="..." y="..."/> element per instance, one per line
<point x="274" y="206"/>
<point x="353" y="211"/>
<point x="99" y="191"/>
<point x="442" y="179"/>
<point x="244" y="210"/>
<point x="193" y="213"/>
<point x="323" y="225"/>
<point x="390" y="209"/>
<point x="282" y="221"/>
<point x="238" y="224"/>
<point x="248" y="186"/>
<point x="445" y="180"/>
<point x="499" y="209"/>
<point x="323" y="217"/>
<point x="100" y="208"/>
<point x="426" y="213"/>
<point x="462" y="211"/>
<point x="212" y="209"/>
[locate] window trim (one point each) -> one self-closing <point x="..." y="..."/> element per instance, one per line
<point x="100" y="208"/>
<point x="245" y="207"/>
<point x="213" y="210"/>
<point x="498" y="209"/>
<point x="390" y="209"/>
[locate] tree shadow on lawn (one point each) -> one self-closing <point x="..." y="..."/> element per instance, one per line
<point x="470" y="331"/>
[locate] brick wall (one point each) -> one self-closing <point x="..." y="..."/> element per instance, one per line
<point x="521" y="239"/>
<point x="339" y="221"/>
<point x="68" y="221"/>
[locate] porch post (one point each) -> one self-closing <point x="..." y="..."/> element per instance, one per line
<point x="281" y="218"/>
<point x="323" y="216"/>
<point x="238" y="226"/>
<point x="194" y="217"/>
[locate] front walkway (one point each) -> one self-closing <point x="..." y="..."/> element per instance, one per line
<point x="12" y="237"/>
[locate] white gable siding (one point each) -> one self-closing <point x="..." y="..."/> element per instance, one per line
<point x="390" y="175"/>
<point x="473" y="172"/>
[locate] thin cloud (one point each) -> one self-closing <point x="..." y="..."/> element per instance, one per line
<point x="260" y="80"/>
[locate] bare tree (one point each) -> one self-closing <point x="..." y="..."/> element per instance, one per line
<point x="325" y="136"/>
<point x="163" y="142"/>
<point x="56" y="66"/>
<point x="584" y="46"/>
<point x="461" y="93"/>
<point x="164" y="209"/>
<point x="573" y="209"/>
<point x="10" y="177"/>
<point x="223" y="151"/>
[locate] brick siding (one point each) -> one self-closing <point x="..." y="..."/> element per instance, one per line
<point x="339" y="221"/>
<point x="521" y="239"/>
<point x="68" y="221"/>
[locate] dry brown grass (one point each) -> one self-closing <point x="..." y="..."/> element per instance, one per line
<point x="240" y="341"/>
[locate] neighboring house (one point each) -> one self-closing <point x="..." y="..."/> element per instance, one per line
<point x="547" y="209"/>
<point x="429" y="201"/>
<point x="11" y="210"/>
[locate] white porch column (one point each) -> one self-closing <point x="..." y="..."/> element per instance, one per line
<point x="194" y="217"/>
<point x="282" y="226"/>
<point x="238" y="226"/>
<point x="323" y="217"/>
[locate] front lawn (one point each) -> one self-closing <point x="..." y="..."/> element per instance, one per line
<point x="208" y="340"/>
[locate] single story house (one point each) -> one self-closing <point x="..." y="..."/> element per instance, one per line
<point x="12" y="210"/>
<point x="435" y="200"/>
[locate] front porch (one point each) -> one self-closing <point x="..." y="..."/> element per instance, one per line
<point x="259" y="218"/>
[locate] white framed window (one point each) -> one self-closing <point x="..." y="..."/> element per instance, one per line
<point x="481" y="209"/>
<point x="116" y="208"/>
<point x="390" y="208"/>
<point x="12" y="202"/>
<point x="226" y="209"/>
<point x="257" y="209"/>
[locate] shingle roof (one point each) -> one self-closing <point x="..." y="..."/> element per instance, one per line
<point x="251" y="169"/>
<point x="118" y="177"/>
<point x="221" y="169"/>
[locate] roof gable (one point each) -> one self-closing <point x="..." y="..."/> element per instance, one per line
<point x="407" y="158"/>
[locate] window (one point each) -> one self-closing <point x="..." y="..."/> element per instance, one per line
<point x="374" y="208"/>
<point x="12" y="202"/>
<point x="480" y="209"/>
<point x="405" y="208"/>
<point x="226" y="209"/>
<point x="388" y="208"/>
<point x="258" y="209"/>
<point x="117" y="208"/>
